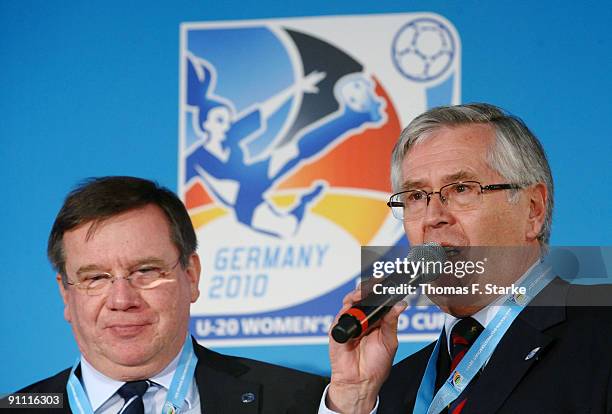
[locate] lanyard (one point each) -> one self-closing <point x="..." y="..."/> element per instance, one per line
<point x="480" y="352"/>
<point x="182" y="379"/>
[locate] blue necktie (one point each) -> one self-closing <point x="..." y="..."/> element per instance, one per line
<point x="132" y="393"/>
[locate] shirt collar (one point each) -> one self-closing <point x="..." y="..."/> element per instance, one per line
<point x="486" y="314"/>
<point x="164" y="378"/>
<point x="100" y="388"/>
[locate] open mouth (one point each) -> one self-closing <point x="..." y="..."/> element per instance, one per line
<point x="451" y="251"/>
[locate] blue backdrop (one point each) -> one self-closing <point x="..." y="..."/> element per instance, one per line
<point x="92" y="89"/>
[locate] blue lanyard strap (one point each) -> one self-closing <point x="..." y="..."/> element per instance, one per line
<point x="76" y="394"/>
<point x="480" y="352"/>
<point x="181" y="381"/>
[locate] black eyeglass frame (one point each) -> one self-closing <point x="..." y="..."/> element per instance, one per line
<point x="483" y="189"/>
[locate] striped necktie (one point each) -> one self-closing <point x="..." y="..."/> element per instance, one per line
<point x="463" y="335"/>
<point x="132" y="393"/>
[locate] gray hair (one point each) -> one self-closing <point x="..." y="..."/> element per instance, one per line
<point x="517" y="154"/>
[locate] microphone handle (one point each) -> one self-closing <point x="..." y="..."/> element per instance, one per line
<point x="359" y="317"/>
<point x="355" y="321"/>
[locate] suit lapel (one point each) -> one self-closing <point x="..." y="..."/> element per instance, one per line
<point x="520" y="348"/>
<point x="398" y="393"/>
<point x="506" y="368"/>
<point x="220" y="387"/>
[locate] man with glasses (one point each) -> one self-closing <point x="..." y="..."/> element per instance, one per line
<point x="125" y="254"/>
<point x="466" y="176"/>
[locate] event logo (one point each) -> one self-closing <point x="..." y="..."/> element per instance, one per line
<point x="286" y="130"/>
<point x="423" y="49"/>
<point x="520" y="299"/>
<point x="457" y="379"/>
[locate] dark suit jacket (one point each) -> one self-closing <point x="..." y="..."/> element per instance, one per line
<point x="222" y="380"/>
<point x="571" y="373"/>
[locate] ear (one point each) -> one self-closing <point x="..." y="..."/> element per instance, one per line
<point x="64" y="295"/>
<point x="537" y="196"/>
<point x="193" y="273"/>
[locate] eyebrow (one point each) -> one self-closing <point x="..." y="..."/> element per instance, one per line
<point x="412" y="185"/>
<point x="151" y="260"/>
<point x="461" y="175"/>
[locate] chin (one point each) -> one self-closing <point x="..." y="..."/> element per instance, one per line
<point x="132" y="351"/>
<point x="131" y="357"/>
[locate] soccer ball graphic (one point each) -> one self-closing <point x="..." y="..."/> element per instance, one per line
<point x="423" y="49"/>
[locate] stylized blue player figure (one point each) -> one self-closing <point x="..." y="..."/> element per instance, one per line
<point x="220" y="159"/>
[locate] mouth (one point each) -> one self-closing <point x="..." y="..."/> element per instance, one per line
<point x="445" y="243"/>
<point x="127" y="330"/>
<point x="451" y="249"/>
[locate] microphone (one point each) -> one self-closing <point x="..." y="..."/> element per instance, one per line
<point x="356" y="320"/>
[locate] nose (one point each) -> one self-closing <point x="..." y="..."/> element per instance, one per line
<point x="122" y="296"/>
<point x="436" y="213"/>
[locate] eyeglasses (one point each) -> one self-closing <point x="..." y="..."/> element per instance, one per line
<point x="145" y="277"/>
<point x="461" y="196"/>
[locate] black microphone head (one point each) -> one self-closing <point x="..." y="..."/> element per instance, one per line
<point x="349" y="326"/>
<point x="428" y="252"/>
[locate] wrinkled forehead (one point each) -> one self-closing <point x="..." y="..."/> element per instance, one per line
<point x="460" y="152"/>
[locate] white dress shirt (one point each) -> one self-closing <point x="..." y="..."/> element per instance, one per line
<point x="102" y="391"/>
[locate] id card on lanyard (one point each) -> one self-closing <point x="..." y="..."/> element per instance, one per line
<point x="480" y="352"/>
<point x="181" y="381"/>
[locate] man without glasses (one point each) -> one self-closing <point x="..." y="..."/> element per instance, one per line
<point x="124" y="251"/>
